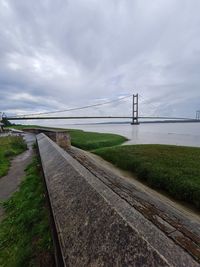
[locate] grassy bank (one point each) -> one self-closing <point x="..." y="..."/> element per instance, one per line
<point x="9" y="146"/>
<point x="171" y="168"/>
<point x="21" y="126"/>
<point x="176" y="170"/>
<point x="92" y="140"/>
<point x="86" y="140"/>
<point x="25" y="238"/>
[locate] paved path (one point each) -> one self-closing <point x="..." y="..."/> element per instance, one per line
<point x="10" y="182"/>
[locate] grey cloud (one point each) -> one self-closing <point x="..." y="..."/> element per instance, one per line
<point x="68" y="53"/>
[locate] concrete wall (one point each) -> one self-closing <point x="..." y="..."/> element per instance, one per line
<point x="95" y="226"/>
<point x="62" y="138"/>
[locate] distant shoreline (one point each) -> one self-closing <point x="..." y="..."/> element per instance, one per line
<point x="142" y="122"/>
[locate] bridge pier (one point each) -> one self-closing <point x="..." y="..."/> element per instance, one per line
<point x="135" y="110"/>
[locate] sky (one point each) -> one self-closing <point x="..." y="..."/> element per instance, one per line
<point x="57" y="55"/>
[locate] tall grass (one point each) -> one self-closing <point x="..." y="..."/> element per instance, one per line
<point x="92" y="140"/>
<point x="171" y="168"/>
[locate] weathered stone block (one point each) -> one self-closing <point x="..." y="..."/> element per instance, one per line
<point x="63" y="140"/>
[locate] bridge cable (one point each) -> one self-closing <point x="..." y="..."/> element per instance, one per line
<point x="72" y="109"/>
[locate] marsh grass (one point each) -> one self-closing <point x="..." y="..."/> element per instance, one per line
<point x="92" y="140"/>
<point x="174" y="169"/>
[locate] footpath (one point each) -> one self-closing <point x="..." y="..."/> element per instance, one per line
<point x="10" y="183"/>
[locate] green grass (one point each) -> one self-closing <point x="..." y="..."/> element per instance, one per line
<point x="86" y="140"/>
<point x="92" y="140"/>
<point x="25" y="239"/>
<point x="21" y="127"/>
<point x="171" y="168"/>
<point x="9" y="147"/>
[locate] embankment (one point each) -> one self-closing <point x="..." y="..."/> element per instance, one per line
<point x="101" y="220"/>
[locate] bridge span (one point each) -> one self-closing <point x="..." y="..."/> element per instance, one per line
<point x="96" y="117"/>
<point x="134" y="119"/>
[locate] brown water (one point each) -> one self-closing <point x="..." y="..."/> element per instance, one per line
<point x="185" y="134"/>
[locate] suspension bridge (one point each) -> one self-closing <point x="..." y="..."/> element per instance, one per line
<point x="134" y="117"/>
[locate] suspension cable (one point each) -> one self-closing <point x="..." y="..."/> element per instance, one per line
<point x="72" y="109"/>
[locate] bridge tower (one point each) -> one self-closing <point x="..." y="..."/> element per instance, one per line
<point x="198" y="115"/>
<point x="135" y="110"/>
<point x="1" y="123"/>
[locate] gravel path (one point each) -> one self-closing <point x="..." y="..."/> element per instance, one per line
<point x="9" y="183"/>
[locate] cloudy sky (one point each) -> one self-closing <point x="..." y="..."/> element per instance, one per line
<point x="70" y="53"/>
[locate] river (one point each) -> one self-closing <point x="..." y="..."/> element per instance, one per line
<point x="184" y="134"/>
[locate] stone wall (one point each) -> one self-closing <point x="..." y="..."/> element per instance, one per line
<point x="62" y="138"/>
<point x="97" y="227"/>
